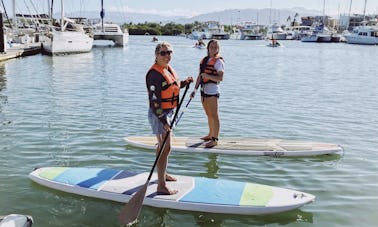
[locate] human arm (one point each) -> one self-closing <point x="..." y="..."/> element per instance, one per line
<point x="198" y="82"/>
<point x="154" y="82"/>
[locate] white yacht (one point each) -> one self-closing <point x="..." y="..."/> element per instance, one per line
<point x="296" y="32"/>
<point x="217" y="30"/>
<point x="210" y="30"/>
<point x="113" y="32"/>
<point x="71" y="38"/>
<point x="367" y="35"/>
<point x="251" y="31"/>
<point x="67" y="38"/>
<point x="318" y="34"/>
<point x="276" y="32"/>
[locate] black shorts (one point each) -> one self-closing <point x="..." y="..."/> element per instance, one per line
<point x="207" y="95"/>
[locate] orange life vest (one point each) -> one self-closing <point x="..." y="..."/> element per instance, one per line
<point x="170" y="87"/>
<point x="209" y="68"/>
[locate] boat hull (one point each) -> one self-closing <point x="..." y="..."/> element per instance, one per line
<point x="67" y="42"/>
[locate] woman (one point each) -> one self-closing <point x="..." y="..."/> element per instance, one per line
<point x="211" y="74"/>
<point x="163" y="88"/>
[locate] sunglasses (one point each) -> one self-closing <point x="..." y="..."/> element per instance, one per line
<point x="163" y="53"/>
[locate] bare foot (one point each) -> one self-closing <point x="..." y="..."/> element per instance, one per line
<point x="165" y="191"/>
<point x="170" y="178"/>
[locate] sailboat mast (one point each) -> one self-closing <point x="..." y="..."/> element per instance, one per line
<point x="270" y="13"/>
<point x="350" y="9"/>
<point x="50" y="8"/>
<point x="102" y="14"/>
<point x="62" y="16"/>
<point x="14" y="14"/>
<point x="365" y="10"/>
<point x="324" y="12"/>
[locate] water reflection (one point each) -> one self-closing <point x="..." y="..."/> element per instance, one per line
<point x="3" y="83"/>
<point x="296" y="216"/>
<point x="212" y="167"/>
<point x="3" y="79"/>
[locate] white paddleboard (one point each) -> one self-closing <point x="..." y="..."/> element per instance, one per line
<point x="194" y="193"/>
<point x="241" y="146"/>
<point x="16" y="220"/>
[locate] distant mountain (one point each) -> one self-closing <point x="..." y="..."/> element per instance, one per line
<point x="260" y="16"/>
<point x="231" y="16"/>
<point x="118" y="17"/>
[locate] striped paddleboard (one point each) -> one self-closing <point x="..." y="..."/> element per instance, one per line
<point x="194" y="193"/>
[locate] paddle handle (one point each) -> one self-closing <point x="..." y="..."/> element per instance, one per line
<point x="168" y="133"/>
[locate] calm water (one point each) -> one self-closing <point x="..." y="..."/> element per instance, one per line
<point x="75" y="110"/>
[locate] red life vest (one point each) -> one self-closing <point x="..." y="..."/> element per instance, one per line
<point x="170" y="87"/>
<point x="209" y="68"/>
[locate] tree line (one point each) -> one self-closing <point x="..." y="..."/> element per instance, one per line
<point x="173" y="29"/>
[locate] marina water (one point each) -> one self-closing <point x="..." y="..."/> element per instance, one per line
<point x="74" y="110"/>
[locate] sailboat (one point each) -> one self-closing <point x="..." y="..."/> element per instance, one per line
<point x="67" y="38"/>
<point x="319" y="33"/>
<point x="110" y="31"/>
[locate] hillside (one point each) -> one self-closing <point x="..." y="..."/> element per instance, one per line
<point x="231" y="16"/>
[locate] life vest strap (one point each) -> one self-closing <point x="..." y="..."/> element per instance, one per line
<point x="172" y="100"/>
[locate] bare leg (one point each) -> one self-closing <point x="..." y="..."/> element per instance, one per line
<point x="162" y="165"/>
<point x="206" y="107"/>
<point x="210" y="105"/>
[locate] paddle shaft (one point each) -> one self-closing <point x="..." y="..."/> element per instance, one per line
<point x="186" y="107"/>
<point x="194" y="92"/>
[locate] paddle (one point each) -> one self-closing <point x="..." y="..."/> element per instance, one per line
<point x="202" y="66"/>
<point x="131" y="210"/>
<point x="186" y="107"/>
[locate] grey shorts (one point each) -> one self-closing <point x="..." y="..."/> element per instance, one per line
<point x="156" y="125"/>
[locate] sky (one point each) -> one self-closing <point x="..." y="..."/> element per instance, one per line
<point x="189" y="8"/>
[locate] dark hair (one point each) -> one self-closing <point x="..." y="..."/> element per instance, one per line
<point x="210" y="42"/>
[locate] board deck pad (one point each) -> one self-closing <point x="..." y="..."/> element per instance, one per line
<point x="194" y="193"/>
<point x="241" y="146"/>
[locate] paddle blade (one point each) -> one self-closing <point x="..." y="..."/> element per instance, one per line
<point x="131" y="210"/>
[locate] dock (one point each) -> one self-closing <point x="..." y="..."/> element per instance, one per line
<point x="21" y="51"/>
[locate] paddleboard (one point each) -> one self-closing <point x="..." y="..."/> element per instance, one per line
<point x="241" y="146"/>
<point x="273" y="45"/>
<point x="194" y="193"/>
<point x="16" y="220"/>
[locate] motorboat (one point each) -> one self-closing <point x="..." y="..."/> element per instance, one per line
<point x="276" y="32"/>
<point x="365" y="35"/>
<point x="113" y="32"/>
<point x="210" y="30"/>
<point x="297" y="32"/>
<point x="318" y="34"/>
<point x="251" y="31"/>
